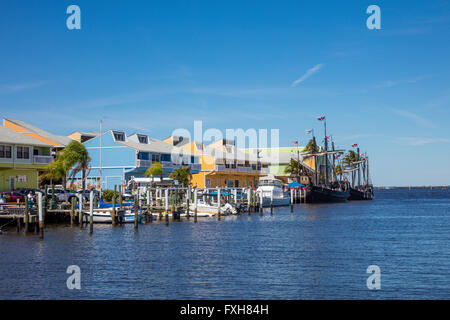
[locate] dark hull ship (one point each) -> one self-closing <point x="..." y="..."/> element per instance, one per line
<point x="363" y="190"/>
<point x="356" y="194"/>
<point x="316" y="194"/>
<point x="324" y="187"/>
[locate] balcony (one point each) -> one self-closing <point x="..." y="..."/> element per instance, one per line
<point x="42" y="159"/>
<point x="167" y="165"/>
<point x="195" y="166"/>
<point x="244" y="169"/>
<point x="265" y="170"/>
<point x="143" y="163"/>
<point x="219" y="167"/>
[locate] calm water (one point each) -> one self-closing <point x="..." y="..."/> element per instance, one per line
<point x="318" y="252"/>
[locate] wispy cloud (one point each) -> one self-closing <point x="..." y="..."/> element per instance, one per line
<point x="415" y="117"/>
<point x="416" y="141"/>
<point x="11" y="88"/>
<point x="307" y="74"/>
<point x="393" y="83"/>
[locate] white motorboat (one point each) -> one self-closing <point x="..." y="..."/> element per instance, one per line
<point x="272" y="192"/>
<point x="210" y="209"/>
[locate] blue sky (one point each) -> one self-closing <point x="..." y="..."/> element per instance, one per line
<point x="154" y="66"/>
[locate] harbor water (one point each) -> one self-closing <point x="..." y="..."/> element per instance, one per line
<point x="316" y="252"/>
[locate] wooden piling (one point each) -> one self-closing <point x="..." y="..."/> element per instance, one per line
<point x="292" y="200"/>
<point x="195" y="205"/>
<point x="41" y="216"/>
<point x="136" y="210"/>
<point x="249" y="200"/>
<point x="80" y="205"/>
<point x="72" y="210"/>
<point x="167" y="206"/>
<point x="27" y="216"/>
<point x="218" y="204"/>
<point x="113" y="209"/>
<point x="91" y="212"/>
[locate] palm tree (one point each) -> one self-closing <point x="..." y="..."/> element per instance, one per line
<point x="183" y="175"/>
<point x="55" y="171"/>
<point x="339" y="171"/>
<point x="349" y="158"/>
<point x="76" y="156"/>
<point x="311" y="147"/>
<point x="155" y="170"/>
<point x="294" y="167"/>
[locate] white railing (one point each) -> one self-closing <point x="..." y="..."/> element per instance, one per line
<point x="143" y="163"/>
<point x="244" y="169"/>
<point x="219" y="167"/>
<point x="265" y="170"/>
<point x="195" y="166"/>
<point x="42" y="159"/>
<point x="167" y="164"/>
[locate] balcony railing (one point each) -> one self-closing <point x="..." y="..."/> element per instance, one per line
<point x="219" y="167"/>
<point x="195" y="166"/>
<point x="244" y="169"/>
<point x="265" y="170"/>
<point x="42" y="159"/>
<point x="168" y="164"/>
<point x="143" y="163"/>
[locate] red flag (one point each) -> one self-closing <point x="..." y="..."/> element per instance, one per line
<point x="295" y="143"/>
<point x="321" y="118"/>
<point x="354" y="145"/>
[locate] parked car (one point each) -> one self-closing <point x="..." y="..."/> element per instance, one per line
<point x="61" y="197"/>
<point x="13" y="196"/>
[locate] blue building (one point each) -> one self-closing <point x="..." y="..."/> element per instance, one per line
<point x="116" y="158"/>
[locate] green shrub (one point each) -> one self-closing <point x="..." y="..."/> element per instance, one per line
<point x="109" y="194"/>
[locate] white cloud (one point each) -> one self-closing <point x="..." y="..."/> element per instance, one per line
<point x="412" y="116"/>
<point x="307" y="74"/>
<point x="11" y="88"/>
<point x="411" y="141"/>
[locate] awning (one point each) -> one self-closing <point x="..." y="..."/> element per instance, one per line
<point x="295" y="184"/>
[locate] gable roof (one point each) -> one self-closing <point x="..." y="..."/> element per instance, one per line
<point x="11" y="136"/>
<point x="58" y="141"/>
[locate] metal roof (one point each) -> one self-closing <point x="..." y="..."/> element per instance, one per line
<point x="11" y="136"/>
<point x="62" y="140"/>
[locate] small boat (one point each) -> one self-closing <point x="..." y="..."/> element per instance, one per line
<point x="105" y="216"/>
<point x="272" y="192"/>
<point x="211" y="209"/>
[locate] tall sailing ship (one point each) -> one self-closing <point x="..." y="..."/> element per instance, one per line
<point x="361" y="187"/>
<point x="324" y="186"/>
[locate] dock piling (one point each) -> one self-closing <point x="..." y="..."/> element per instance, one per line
<point x="91" y="212"/>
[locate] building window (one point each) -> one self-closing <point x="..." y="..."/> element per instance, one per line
<point x="253" y="166"/>
<point x="5" y="152"/>
<point x="155" y="157"/>
<point x="143" y="156"/>
<point x="119" y="136"/>
<point x="236" y="183"/>
<point x="166" y="157"/>
<point x="23" y="153"/>
<point x="143" y="139"/>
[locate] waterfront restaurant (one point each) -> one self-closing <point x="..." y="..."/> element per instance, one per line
<point x="117" y="157"/>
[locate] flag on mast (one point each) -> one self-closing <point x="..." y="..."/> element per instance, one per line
<point x="354" y="145"/>
<point x="309" y="131"/>
<point x="321" y="118"/>
<point x="295" y="143"/>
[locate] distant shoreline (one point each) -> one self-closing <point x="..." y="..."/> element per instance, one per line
<point x="412" y="187"/>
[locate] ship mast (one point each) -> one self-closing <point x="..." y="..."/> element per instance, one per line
<point x="326" y="150"/>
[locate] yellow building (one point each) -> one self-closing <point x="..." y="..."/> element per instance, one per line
<point x="222" y="164"/>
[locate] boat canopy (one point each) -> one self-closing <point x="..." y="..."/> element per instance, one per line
<point x="295" y="184"/>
